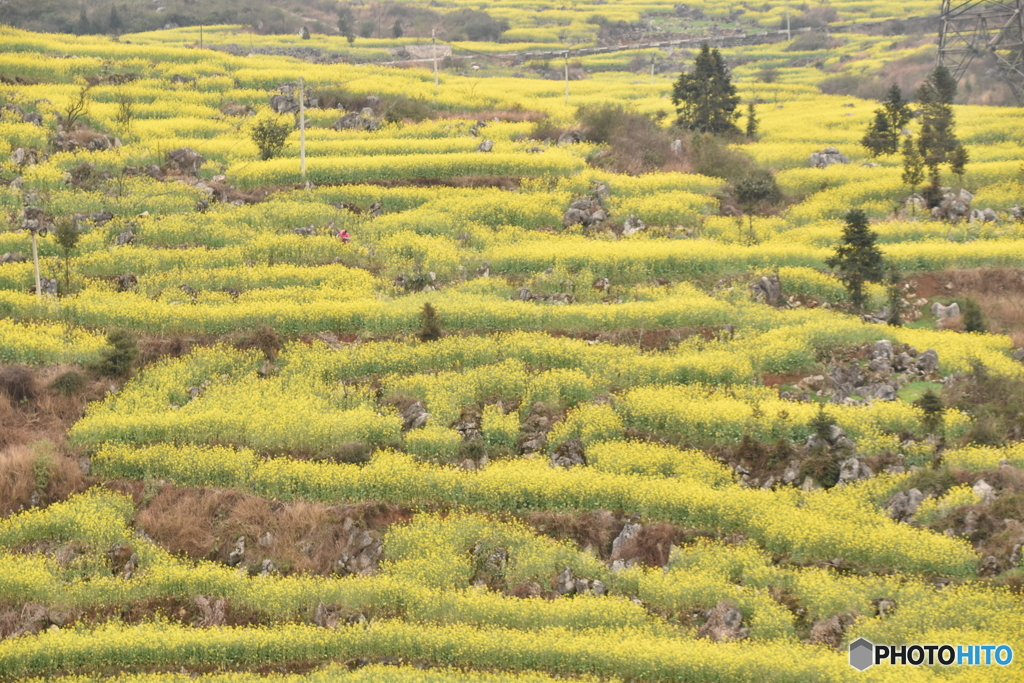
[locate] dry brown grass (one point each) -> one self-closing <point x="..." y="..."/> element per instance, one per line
<point x="35" y="475"/>
<point x="183" y="520"/>
<point x="999" y="292"/>
<point x="296" y="537"/>
<point x="46" y="414"/>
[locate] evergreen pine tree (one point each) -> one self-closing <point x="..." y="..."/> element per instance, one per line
<point x="857" y="259"/>
<point x="396" y="29"/>
<point x="938" y="139"/>
<point x="913" y="165"/>
<point x="83" y="23"/>
<point x="931" y="405"/>
<point x="751" y="121"/>
<point x="883" y="136"/>
<point x="431" y="330"/>
<point x="705" y="98"/>
<point x="958" y="159"/>
<point x="973" y="319"/>
<point x="66" y="235"/>
<point x="114" y="23"/>
<point x="894" y="296"/>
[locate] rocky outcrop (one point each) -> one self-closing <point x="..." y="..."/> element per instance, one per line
<point x="827" y="157"/>
<point x="767" y="289"/>
<point x="362" y="120"/>
<point x="586" y="211"/>
<point x="903" y="505"/>
<point x="569" y="454"/>
<point x="724" y="624"/>
<point x="185" y="161"/>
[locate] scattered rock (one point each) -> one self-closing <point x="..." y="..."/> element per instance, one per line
<point x="414" y="416"/>
<point x="990" y="566"/>
<point x="884" y="606"/>
<point x="984" y="491"/>
<point x="827" y="157"/>
<point x="830" y="631"/>
<point x="469" y="424"/>
<point x="928" y="362"/>
<point x="620" y="545"/>
<point x="632" y="226"/>
<point x="903" y="504"/>
<point x="853" y="469"/>
<point x="485" y="146"/>
<point x="238" y="553"/>
<point x="571" y="137"/>
<point x="565" y="584"/>
<point x="569" y="454"/>
<point x="185" y="161"/>
<point x="943" y="312"/>
<point x="723" y="625"/>
<point x="12" y="257"/>
<point x="584" y="210"/>
<point x="363" y="120"/>
<point x="767" y="290"/>
<point x="214" y="613"/>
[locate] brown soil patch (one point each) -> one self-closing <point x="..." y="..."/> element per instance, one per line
<point x="778" y="380"/>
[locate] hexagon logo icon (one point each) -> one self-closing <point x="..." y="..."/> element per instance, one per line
<point x="862" y="654"/>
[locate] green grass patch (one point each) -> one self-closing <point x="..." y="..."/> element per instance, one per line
<point x="915" y="390"/>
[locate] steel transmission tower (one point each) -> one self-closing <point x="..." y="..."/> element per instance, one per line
<point x="979" y="28"/>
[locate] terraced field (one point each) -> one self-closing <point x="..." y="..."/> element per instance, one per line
<point x="484" y="437"/>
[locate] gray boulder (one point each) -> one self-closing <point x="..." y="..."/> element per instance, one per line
<point x="767" y="289"/>
<point x="185" y="160"/>
<point x="827" y="157"/>
<point x="569" y="454"/>
<point x="903" y="504"/>
<point x="928" y="362"/>
<point x="724" y="624"/>
<point x="632" y="226"/>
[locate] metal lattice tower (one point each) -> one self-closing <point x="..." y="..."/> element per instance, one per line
<point x="978" y="28"/>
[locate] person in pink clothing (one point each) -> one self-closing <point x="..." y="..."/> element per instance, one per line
<point x="343" y="236"/>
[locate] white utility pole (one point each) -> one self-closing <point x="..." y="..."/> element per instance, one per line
<point x="35" y="260"/>
<point x="789" y="35"/>
<point x="433" y="47"/>
<point x="302" y="127"/>
<point x="567" y="77"/>
<point x="652" y="68"/>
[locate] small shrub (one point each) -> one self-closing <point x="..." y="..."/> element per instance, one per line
<point x="431" y="330"/>
<point x="932" y="406"/>
<point x="18" y="383"/>
<point x="973" y="319"/>
<point x="269" y="135"/>
<point x="711" y="156"/>
<point x="262" y="337"/>
<point x="69" y="383"/>
<point x="117" y="361"/>
<point x="822" y="467"/>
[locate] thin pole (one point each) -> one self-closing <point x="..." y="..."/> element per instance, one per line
<point x="433" y="47"/>
<point x="35" y="260"/>
<point x="789" y="35"/>
<point x="652" y="68"/>
<point x="567" y="77"/>
<point x="302" y="126"/>
<point x="200" y="36"/>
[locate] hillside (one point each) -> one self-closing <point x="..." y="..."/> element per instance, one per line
<point x="519" y="376"/>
